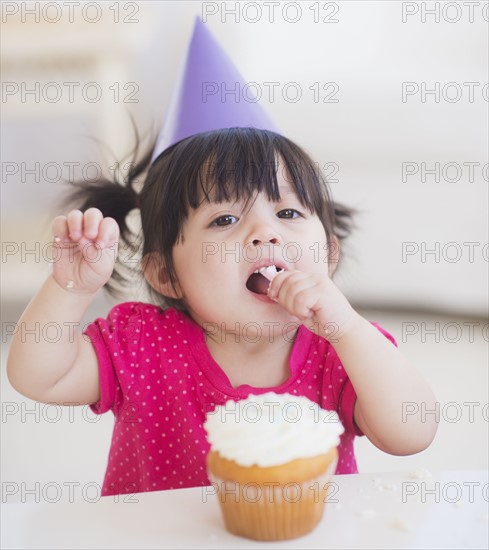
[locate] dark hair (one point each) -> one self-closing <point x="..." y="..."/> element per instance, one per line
<point x="221" y="165"/>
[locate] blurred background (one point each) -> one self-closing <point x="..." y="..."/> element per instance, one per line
<point x="390" y="99"/>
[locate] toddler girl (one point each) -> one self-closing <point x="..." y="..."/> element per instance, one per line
<point x="240" y="239"/>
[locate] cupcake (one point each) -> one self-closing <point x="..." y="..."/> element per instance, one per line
<point x="270" y="461"/>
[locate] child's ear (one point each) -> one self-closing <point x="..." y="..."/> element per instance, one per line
<point x="333" y="255"/>
<point x="157" y="276"/>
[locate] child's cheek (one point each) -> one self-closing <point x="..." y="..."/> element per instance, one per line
<point x="316" y="257"/>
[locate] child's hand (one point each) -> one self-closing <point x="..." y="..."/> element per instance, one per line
<point x="315" y="300"/>
<point x="85" y="250"/>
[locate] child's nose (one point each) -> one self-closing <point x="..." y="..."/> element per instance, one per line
<point x="263" y="233"/>
<point x="273" y="240"/>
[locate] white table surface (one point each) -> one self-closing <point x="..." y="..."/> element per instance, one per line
<point x="369" y="513"/>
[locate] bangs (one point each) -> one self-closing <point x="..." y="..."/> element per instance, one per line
<point x="237" y="163"/>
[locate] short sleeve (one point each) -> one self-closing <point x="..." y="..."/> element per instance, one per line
<point x="113" y="339"/>
<point x="345" y="392"/>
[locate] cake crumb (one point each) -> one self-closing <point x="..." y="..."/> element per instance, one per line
<point x="389" y="487"/>
<point x="420" y="473"/>
<point x="368" y="513"/>
<point x="400" y="524"/>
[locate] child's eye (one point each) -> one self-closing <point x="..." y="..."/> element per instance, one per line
<point x="224" y="220"/>
<point x="289" y="213"/>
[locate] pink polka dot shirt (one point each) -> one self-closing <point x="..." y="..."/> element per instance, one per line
<point x="159" y="379"/>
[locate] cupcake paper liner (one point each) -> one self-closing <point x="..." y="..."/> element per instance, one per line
<point x="272" y="503"/>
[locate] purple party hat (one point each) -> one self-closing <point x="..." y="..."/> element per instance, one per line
<point x="211" y="95"/>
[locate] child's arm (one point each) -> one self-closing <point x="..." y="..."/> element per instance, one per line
<point x="386" y="384"/>
<point x="383" y="378"/>
<point x="65" y="369"/>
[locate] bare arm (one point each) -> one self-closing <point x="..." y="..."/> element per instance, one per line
<point x="384" y="382"/>
<point x="65" y="369"/>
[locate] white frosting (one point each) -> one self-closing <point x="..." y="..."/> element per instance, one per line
<point x="269" y="272"/>
<point x="272" y="429"/>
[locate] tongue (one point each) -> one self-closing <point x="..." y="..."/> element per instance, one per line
<point x="257" y="283"/>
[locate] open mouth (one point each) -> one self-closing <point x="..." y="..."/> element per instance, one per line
<point x="259" y="281"/>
